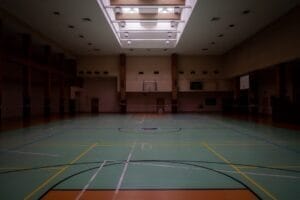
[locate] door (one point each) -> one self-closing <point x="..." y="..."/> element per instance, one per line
<point x="95" y="105"/>
<point x="160" y="105"/>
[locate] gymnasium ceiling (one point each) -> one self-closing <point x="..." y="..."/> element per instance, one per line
<point x="215" y="26"/>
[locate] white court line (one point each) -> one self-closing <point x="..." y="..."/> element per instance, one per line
<point x="31" y="153"/>
<point x="90" y="181"/>
<point x="220" y="170"/>
<point x="124" y="172"/>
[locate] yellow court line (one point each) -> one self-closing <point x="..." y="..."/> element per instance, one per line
<point x="238" y="144"/>
<point x="239" y="171"/>
<point x="46" y="182"/>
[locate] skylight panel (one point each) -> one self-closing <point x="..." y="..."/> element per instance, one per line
<point x="152" y="25"/>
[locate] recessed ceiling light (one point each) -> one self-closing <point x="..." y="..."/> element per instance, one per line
<point x="167" y="41"/>
<point x="173" y="24"/>
<point x="86" y="19"/>
<point x="215" y="19"/>
<point x="129" y="42"/>
<point x="56" y="13"/>
<point x="118" y="10"/>
<point x="177" y="10"/>
<point x="245" y="12"/>
<point x="123" y="24"/>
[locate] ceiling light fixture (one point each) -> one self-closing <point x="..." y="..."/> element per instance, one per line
<point x="152" y="26"/>
<point x="130" y="10"/>
<point x="165" y="10"/>
<point x="173" y="24"/>
<point x="118" y="10"/>
<point x="123" y="24"/>
<point x="177" y="10"/>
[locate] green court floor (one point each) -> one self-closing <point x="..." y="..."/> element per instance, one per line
<point x="151" y="152"/>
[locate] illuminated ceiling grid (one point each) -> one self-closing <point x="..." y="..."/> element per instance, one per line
<point x="147" y="24"/>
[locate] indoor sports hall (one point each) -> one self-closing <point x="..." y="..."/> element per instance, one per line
<point x="149" y="100"/>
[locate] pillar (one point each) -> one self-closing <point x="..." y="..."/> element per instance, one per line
<point x="26" y="76"/>
<point x="174" y="66"/>
<point x="123" y="101"/>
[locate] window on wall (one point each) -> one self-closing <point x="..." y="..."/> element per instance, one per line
<point x="196" y="85"/>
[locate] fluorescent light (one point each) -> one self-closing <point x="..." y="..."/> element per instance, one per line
<point x="165" y="10"/>
<point x="130" y="10"/>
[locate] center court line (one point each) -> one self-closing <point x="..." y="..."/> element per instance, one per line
<point x="46" y="182"/>
<point x="91" y="180"/>
<point x="124" y="171"/>
<point x="239" y="171"/>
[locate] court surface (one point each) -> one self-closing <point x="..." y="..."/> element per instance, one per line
<point x="147" y="156"/>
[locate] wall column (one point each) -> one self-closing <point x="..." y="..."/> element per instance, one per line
<point x="1" y="69"/>
<point x="123" y="101"/>
<point x="62" y="86"/>
<point x="47" y="84"/>
<point x="26" y="76"/>
<point x="280" y="110"/>
<point x="174" y="66"/>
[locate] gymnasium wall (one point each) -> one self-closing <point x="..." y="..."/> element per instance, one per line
<point x="277" y="43"/>
<point x="12" y="103"/>
<point x="103" y="88"/>
<point x="98" y="66"/>
<point x="207" y="69"/>
<point x="148" y="65"/>
<point x="11" y="91"/>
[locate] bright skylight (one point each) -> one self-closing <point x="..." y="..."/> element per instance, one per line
<point x="147" y="26"/>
